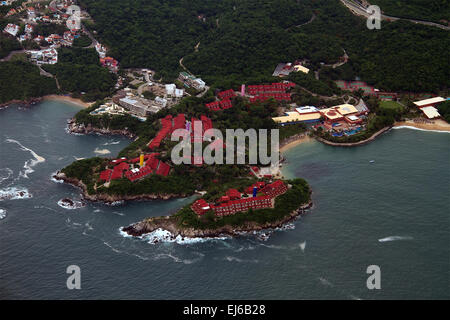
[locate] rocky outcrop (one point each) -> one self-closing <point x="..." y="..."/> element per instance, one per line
<point x="169" y="223"/>
<point x="79" y="128"/>
<point x="26" y="103"/>
<point x="112" y="199"/>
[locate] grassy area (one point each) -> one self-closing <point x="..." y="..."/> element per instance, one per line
<point x="391" y="105"/>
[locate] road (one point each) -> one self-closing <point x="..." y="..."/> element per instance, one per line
<point x="361" y="11"/>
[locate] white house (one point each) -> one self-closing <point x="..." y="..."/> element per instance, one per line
<point x="11" y="29"/>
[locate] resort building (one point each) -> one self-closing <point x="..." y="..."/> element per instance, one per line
<point x="135" y="169"/>
<point x="294" y="117"/>
<point x="109" y="108"/>
<point x="191" y="81"/>
<point x="135" y="106"/>
<point x="429" y="102"/>
<point x="234" y="201"/>
<point x="430" y="112"/>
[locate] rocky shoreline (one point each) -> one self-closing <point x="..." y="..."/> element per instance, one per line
<point x="167" y="223"/>
<point x="26" y="103"/>
<point x="111" y="199"/>
<point x="77" y="128"/>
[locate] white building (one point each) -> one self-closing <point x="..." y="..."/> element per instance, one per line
<point x="198" y="84"/>
<point x="101" y="50"/>
<point x="11" y="29"/>
<point x="179" y="93"/>
<point x="161" y="102"/>
<point x="170" y="89"/>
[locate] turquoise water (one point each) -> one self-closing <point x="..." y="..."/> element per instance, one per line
<point x="401" y="198"/>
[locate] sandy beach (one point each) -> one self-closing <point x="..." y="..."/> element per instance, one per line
<point x="436" y="125"/>
<point x="296" y="142"/>
<point x="55" y="97"/>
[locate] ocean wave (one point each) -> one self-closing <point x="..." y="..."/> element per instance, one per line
<point x="2" y="214"/>
<point x="14" y="193"/>
<point x="111" y="143"/>
<point x="235" y="259"/>
<point x="29" y="164"/>
<point x="52" y="178"/>
<point x="101" y="151"/>
<point x="419" y="129"/>
<point x="395" y="238"/>
<point x="115" y="203"/>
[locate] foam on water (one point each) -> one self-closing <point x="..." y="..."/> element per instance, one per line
<point x="68" y="206"/>
<point x="419" y="129"/>
<point x="14" y="193"/>
<point x="101" y="151"/>
<point x="5" y="174"/>
<point x="2" y="214"/>
<point x="395" y="238"/>
<point x="111" y="143"/>
<point x="165" y="236"/>
<point x="29" y="164"/>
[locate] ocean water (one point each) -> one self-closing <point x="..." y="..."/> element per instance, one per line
<point x="392" y="212"/>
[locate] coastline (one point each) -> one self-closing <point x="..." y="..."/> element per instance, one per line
<point x="52" y="97"/>
<point x="436" y="125"/>
<point x="294" y="141"/>
<point x="74" y="127"/>
<point x="111" y="199"/>
<point x="57" y="97"/>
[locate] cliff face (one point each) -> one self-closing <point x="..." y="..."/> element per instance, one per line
<point x="74" y="127"/>
<point x="169" y="224"/>
<point x="107" y="198"/>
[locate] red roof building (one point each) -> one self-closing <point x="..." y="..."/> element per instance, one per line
<point x="232" y="201"/>
<point x="226" y="94"/>
<point x="275" y="189"/>
<point x="163" y="169"/>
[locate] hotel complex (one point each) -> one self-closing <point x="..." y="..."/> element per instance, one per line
<point x="257" y="196"/>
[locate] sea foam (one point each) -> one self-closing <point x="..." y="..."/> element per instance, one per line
<point x="419" y="129"/>
<point x="14" y="193"/>
<point x="2" y="214"/>
<point x="165" y="236"/>
<point x="29" y="164"/>
<point x="395" y="238"/>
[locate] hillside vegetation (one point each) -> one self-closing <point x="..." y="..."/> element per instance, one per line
<point x="242" y="41"/>
<point x="430" y="10"/>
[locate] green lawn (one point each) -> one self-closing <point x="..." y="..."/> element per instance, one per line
<point x="390" y="105"/>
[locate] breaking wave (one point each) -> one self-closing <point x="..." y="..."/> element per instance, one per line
<point x="395" y="238"/>
<point x="70" y="204"/>
<point x="164" y="236"/>
<point x="111" y="143"/>
<point x="419" y="129"/>
<point x="29" y="164"/>
<point x="2" y="214"/>
<point x="14" y="193"/>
